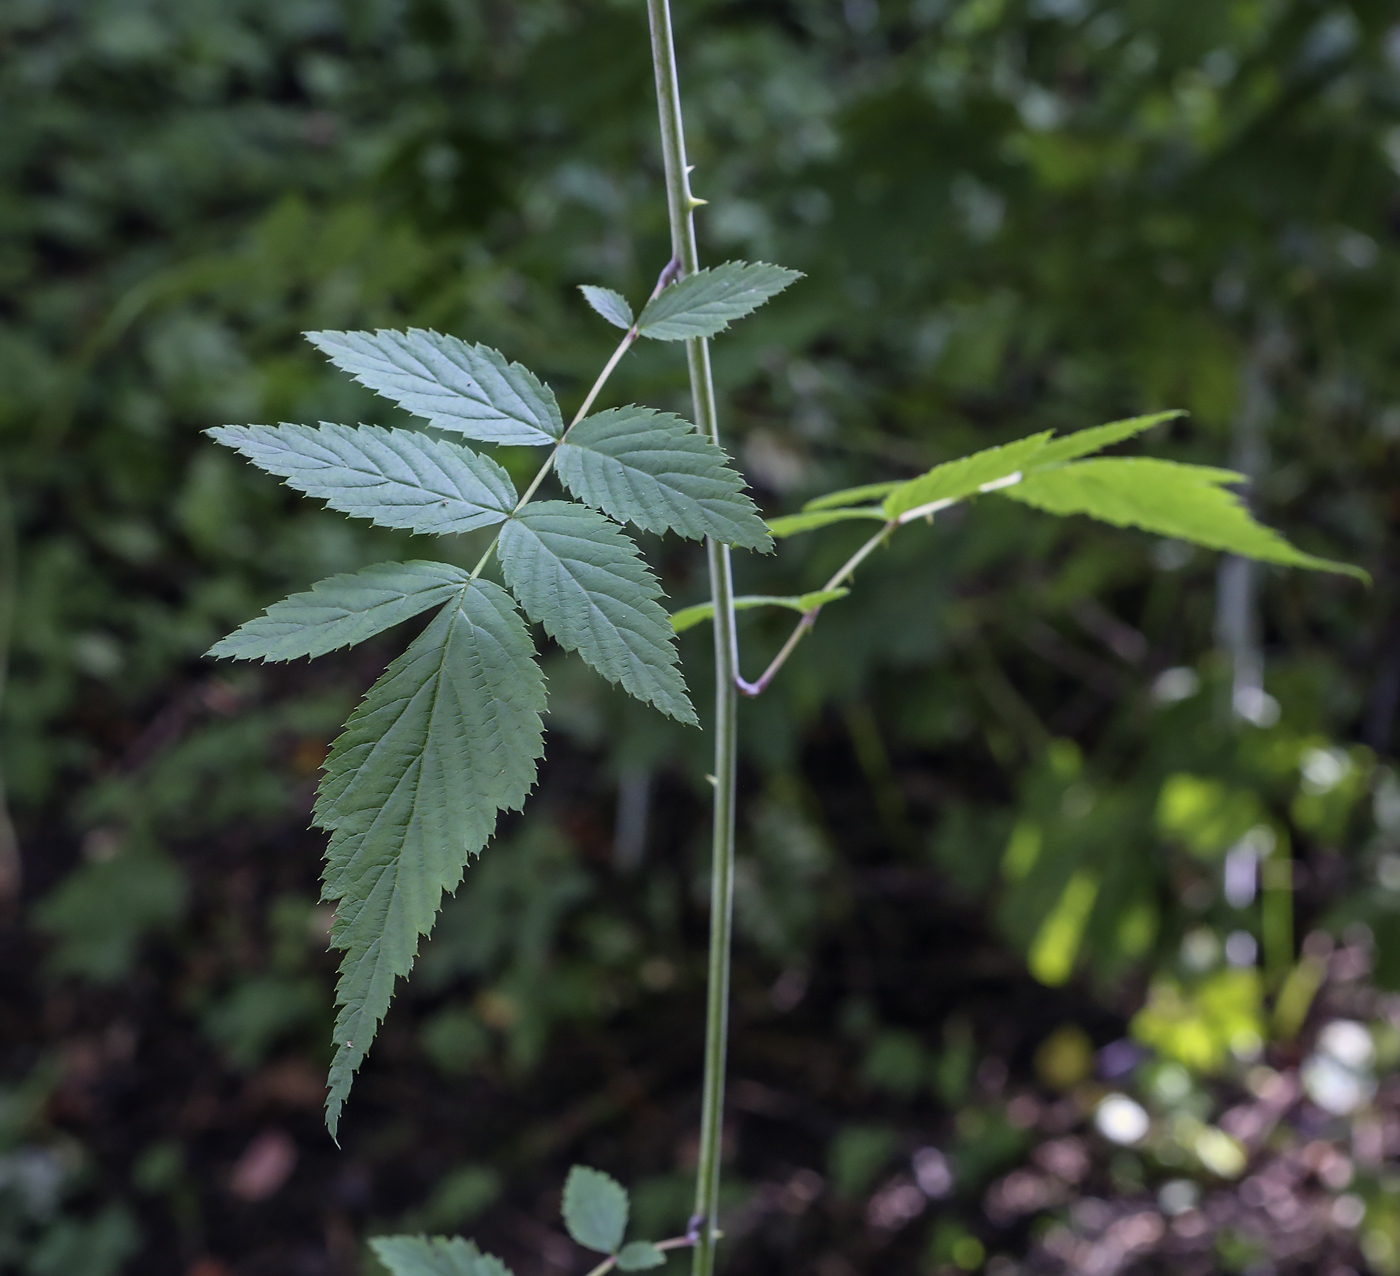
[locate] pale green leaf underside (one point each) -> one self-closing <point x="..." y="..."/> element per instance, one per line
<point x="580" y="576"/>
<point x="396" y="478"/>
<point x="689" y="617"/>
<point x="811" y="520"/>
<point x="611" y="305"/>
<point x="471" y="390"/>
<point x="1189" y="502"/>
<point x="435" y="1256"/>
<point x="653" y="469"/>
<point x="595" y="1209"/>
<point x="638" y="1256"/>
<point x="447" y="738"/>
<point x="341" y="611"/>
<point x="852" y="495"/>
<point x="702" y="304"/>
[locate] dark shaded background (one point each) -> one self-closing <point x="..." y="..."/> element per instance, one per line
<point x="989" y="811"/>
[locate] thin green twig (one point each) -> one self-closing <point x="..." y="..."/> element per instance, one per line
<point x="809" y="618"/>
<point x="675" y="1242"/>
<point x="623" y="346"/>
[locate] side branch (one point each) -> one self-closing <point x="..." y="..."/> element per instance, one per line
<point x="675" y="1242"/>
<point x="809" y="618"/>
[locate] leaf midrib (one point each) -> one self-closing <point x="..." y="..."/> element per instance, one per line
<point x="385" y="480"/>
<point x="596" y="614"/>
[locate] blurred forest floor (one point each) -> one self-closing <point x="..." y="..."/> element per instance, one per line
<point x="1069" y="896"/>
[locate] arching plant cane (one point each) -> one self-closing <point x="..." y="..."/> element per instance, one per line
<point x="451" y="734"/>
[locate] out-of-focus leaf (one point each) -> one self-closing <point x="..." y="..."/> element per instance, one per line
<point x="1070" y="447"/>
<point x="852" y="495"/>
<point x="689" y="617"/>
<point x="638" y="1256"/>
<point x="1189" y="502"/>
<point x="435" y="1256"/>
<point x="955" y="480"/>
<point x="792" y="524"/>
<point x="595" y="1209"/>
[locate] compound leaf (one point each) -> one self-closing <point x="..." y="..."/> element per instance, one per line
<point x="579" y="575"/>
<point x="638" y="1256"/>
<point x="1189" y="502"/>
<point x="435" y="1256"/>
<point x="447" y="738"/>
<point x="689" y="617"/>
<point x="653" y="469"/>
<point x="396" y="478"/>
<point x="1054" y="452"/>
<point x="810" y="520"/>
<point x="702" y="304"/>
<point x="611" y="305"/>
<point x="595" y="1209"/>
<point x="471" y="390"/>
<point x="341" y="611"/>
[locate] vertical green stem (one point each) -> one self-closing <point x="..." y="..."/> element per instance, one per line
<point x="682" y="205"/>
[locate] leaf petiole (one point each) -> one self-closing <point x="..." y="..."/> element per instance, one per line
<point x="675" y="1242"/>
<point x="809" y="617"/>
<point x="668" y="273"/>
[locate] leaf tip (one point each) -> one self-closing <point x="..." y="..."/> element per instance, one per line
<point x="608" y="303"/>
<point x="682" y="711"/>
<point x="759" y="539"/>
<point x="333" y="1106"/>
